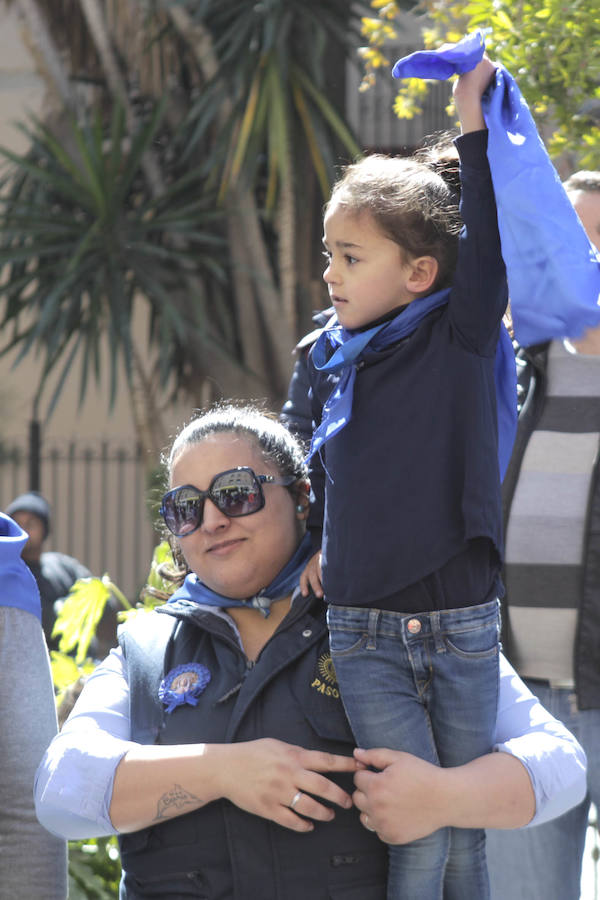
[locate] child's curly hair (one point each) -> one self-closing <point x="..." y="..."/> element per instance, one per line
<point x="413" y="200"/>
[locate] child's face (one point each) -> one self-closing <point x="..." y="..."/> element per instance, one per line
<point x="366" y="275"/>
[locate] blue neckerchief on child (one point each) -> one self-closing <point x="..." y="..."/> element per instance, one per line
<point x="19" y="587"/>
<point x="337" y="411"/>
<point x="349" y="345"/>
<point x="282" y="585"/>
<point x="552" y="267"/>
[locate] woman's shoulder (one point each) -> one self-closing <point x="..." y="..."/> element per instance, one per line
<point x="145" y="628"/>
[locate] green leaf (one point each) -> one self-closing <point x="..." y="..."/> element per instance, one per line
<point x="502" y="19"/>
<point x="79" y="616"/>
<point x="65" y="671"/>
<point x="141" y="142"/>
<point x="63" y="376"/>
<point x="73" y="258"/>
<point x="162" y="555"/>
<point x="340" y="129"/>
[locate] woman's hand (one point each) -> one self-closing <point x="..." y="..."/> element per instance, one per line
<point x="409" y="798"/>
<point x="399" y="802"/>
<point x="311" y="578"/>
<point x="268" y="777"/>
<point x="468" y="90"/>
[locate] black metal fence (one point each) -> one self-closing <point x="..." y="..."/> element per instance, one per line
<point x="371" y="112"/>
<point x="101" y="508"/>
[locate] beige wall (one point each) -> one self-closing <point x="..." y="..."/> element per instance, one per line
<point x="21" y="90"/>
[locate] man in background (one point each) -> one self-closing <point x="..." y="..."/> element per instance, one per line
<point x="55" y="573"/>
<point x="551" y="614"/>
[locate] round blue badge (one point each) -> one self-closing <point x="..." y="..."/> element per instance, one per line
<point x="184" y="684"/>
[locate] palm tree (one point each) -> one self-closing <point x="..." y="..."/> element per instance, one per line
<point x="227" y="106"/>
<point x="85" y="239"/>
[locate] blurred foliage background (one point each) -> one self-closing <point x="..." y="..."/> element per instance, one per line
<point x="552" y="48"/>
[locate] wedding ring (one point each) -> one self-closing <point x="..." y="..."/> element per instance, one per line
<point x="295" y="800"/>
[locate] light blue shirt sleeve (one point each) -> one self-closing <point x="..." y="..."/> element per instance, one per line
<point x="555" y="761"/>
<point x="74" y="782"/>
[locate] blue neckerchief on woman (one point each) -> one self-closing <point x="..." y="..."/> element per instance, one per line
<point x="281" y="586"/>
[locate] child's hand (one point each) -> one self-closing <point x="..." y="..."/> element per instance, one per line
<point x="311" y="577"/>
<point x="468" y="90"/>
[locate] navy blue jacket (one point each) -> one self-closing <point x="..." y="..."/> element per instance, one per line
<point x="414" y="474"/>
<point x="220" y="851"/>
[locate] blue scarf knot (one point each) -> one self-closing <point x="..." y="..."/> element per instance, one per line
<point x="349" y="347"/>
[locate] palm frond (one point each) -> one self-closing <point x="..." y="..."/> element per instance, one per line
<point x="82" y="232"/>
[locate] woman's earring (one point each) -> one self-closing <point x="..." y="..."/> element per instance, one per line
<point x="300" y="508"/>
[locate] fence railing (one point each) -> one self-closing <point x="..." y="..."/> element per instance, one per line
<point x="371" y="112"/>
<point x="100" y="504"/>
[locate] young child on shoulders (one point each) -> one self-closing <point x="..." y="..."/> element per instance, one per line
<point x="406" y="521"/>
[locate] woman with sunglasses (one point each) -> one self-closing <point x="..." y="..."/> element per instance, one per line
<point x="213" y="740"/>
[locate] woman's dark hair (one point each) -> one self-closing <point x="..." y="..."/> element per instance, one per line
<point x="413" y="200"/>
<point x="261" y="429"/>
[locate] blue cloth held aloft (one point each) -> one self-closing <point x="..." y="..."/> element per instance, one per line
<point x="442" y="64"/>
<point x="553" y="269"/>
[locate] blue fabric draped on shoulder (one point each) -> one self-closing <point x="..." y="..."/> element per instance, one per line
<point x="18" y="587"/>
<point x="553" y="269"/>
<point x="348" y="347"/>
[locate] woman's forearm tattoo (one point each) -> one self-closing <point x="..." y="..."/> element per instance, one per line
<point x="174" y="801"/>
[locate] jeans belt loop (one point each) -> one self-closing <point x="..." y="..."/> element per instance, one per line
<point x="372" y="629"/>
<point x="436" y="631"/>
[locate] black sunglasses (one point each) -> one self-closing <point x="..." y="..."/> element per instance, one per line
<point x="236" y="492"/>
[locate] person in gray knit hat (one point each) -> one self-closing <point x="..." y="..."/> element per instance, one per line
<point x="55" y="573"/>
<point x="32" y="502"/>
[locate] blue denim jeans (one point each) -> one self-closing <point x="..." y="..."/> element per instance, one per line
<point x="544" y="862"/>
<point x="426" y="684"/>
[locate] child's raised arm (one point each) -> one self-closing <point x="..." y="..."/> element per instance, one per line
<point x="468" y="90"/>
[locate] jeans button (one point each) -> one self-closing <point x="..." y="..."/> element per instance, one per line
<point x="414" y="626"/>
